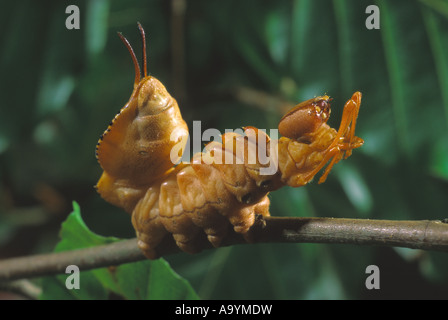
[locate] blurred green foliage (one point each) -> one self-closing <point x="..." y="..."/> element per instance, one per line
<point x="60" y="88"/>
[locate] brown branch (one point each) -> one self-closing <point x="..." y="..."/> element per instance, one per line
<point x="25" y="288"/>
<point x="424" y="234"/>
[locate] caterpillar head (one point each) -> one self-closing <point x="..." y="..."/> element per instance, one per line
<point x="306" y="117"/>
<point x="137" y="143"/>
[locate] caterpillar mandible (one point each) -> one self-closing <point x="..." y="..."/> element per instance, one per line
<point x="206" y="195"/>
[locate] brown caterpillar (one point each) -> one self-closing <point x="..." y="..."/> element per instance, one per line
<point x="209" y="194"/>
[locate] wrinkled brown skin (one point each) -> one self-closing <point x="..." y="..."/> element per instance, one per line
<point x="205" y="196"/>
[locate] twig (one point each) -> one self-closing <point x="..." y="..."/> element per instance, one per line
<point x="262" y="100"/>
<point x="54" y="263"/>
<point x="424" y="234"/>
<point x="23" y="287"/>
<point x="178" y="8"/>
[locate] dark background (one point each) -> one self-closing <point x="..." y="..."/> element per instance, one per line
<point x="60" y="88"/>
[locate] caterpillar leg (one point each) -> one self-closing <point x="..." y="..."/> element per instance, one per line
<point x="198" y="207"/>
<point x="174" y="219"/>
<point x="345" y="137"/>
<point x="261" y="208"/>
<point x="160" y="213"/>
<point x="147" y="249"/>
<point x="145" y="219"/>
<point x="345" y="140"/>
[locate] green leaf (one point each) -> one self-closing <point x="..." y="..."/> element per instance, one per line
<point x="141" y="280"/>
<point x="439" y="158"/>
<point x="97" y="15"/>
